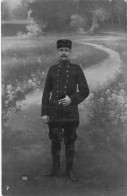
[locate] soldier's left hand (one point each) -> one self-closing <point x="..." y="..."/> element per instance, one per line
<point x="66" y="101"/>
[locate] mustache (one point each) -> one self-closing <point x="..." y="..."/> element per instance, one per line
<point x="63" y="56"/>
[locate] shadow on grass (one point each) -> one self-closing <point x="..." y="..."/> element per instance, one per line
<point x="102" y="164"/>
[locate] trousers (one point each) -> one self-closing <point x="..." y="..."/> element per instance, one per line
<point x="58" y="132"/>
<point x="63" y="131"/>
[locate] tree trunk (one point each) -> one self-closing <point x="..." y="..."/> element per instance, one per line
<point x="94" y="27"/>
<point x="119" y="19"/>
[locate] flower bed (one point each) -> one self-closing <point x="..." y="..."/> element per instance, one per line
<point x="25" y="63"/>
<point x="107" y="107"/>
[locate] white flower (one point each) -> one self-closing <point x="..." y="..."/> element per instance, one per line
<point x="17" y="104"/>
<point x="6" y="102"/>
<point x="18" y="88"/>
<point x="38" y="82"/>
<point x="39" y="59"/>
<point x="34" y="79"/>
<point x="37" y="90"/>
<point x="32" y="75"/>
<point x="10" y="97"/>
<point x="101" y="99"/>
<point x="9" y="87"/>
<point x="91" y="96"/>
<point x="34" y="85"/>
<point x="114" y="96"/>
<point x="43" y="73"/>
<point x="108" y="92"/>
<point x="109" y="99"/>
<point x="13" y="92"/>
<point x="120" y="99"/>
<point x="29" y="81"/>
<point x="9" y="91"/>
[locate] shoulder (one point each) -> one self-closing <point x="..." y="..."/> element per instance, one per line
<point x="53" y="67"/>
<point x="77" y="67"/>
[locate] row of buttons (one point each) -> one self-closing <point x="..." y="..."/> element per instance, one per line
<point x="58" y="80"/>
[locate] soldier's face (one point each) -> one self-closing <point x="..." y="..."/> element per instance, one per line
<point x="63" y="53"/>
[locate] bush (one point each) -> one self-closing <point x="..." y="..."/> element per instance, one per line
<point x="12" y="94"/>
<point x="78" y="22"/>
<point x="33" y="28"/>
<point x="108" y="112"/>
<point x="99" y="15"/>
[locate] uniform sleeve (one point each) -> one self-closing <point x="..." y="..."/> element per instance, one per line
<point x="46" y="95"/>
<point x="83" y="88"/>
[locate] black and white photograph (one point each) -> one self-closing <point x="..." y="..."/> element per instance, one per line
<point x="64" y="97"/>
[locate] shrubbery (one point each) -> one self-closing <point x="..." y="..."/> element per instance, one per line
<point x="108" y="113"/>
<point x="78" y="22"/>
<point x="33" y="28"/>
<point x="12" y="94"/>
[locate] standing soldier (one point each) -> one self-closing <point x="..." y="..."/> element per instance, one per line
<point x="60" y="106"/>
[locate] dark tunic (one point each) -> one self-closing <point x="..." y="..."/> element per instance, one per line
<point x="64" y="79"/>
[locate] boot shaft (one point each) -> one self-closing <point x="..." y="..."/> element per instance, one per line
<point x="70" y="153"/>
<point x="56" y="151"/>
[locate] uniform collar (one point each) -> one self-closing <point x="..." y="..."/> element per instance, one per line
<point x="64" y="63"/>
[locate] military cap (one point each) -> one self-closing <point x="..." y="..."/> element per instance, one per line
<point x="64" y="43"/>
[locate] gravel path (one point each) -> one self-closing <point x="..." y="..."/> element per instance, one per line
<point x="29" y="151"/>
<point x="97" y="74"/>
<point x="105" y="70"/>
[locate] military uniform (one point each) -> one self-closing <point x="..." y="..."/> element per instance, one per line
<point x="63" y="79"/>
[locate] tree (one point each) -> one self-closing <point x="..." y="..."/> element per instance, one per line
<point x="118" y="11"/>
<point x="20" y="11"/>
<point x="33" y="28"/>
<point x="99" y="15"/>
<point x="78" y="22"/>
<point x="62" y="15"/>
<point x="56" y="13"/>
<point x="6" y="11"/>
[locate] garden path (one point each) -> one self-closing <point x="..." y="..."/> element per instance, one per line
<point x="28" y="146"/>
<point x="97" y="74"/>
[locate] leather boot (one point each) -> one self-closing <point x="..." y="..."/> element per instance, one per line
<point x="70" y="152"/>
<point x="55" y="169"/>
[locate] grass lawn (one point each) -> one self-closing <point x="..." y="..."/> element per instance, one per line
<point x="23" y="56"/>
<point x="100" y="159"/>
<point x="121" y="47"/>
<point x="25" y="62"/>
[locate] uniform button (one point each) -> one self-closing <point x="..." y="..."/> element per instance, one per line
<point x="65" y="87"/>
<point x="66" y="80"/>
<point x="67" y="76"/>
<point x="67" y="70"/>
<point x="57" y="74"/>
<point x="57" y="92"/>
<point x="58" y="70"/>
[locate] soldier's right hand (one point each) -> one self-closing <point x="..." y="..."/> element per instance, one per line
<point x="45" y="119"/>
